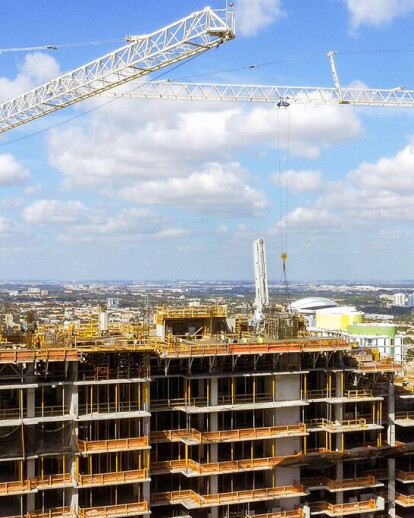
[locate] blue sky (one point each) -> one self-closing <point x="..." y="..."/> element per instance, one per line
<point x="143" y="189"/>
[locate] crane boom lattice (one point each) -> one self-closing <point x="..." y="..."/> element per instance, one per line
<point x="142" y="55"/>
<point x="396" y="97"/>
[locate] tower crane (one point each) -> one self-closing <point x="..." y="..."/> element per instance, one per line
<point x="142" y="55"/>
<point x="283" y="96"/>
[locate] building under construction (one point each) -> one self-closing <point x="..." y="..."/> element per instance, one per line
<point x="201" y="420"/>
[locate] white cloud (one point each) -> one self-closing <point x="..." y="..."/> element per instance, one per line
<point x="222" y="229"/>
<point x="394" y="173"/>
<point x="128" y="226"/>
<point x="54" y="212"/>
<point x="185" y="156"/>
<point x="5" y="225"/>
<point x="217" y="188"/>
<point x="36" y="69"/>
<point x="303" y="129"/>
<point x="377" y="12"/>
<point x="11" y="172"/>
<point x="307" y="218"/>
<point x="253" y="15"/>
<point x="11" y="204"/>
<point x="299" y="181"/>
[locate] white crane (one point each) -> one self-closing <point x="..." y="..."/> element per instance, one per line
<point x="261" y="285"/>
<point x="142" y="55"/>
<point x="280" y="95"/>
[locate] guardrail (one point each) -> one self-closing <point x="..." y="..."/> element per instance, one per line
<point x="241" y="434"/>
<point x="114" y="510"/>
<point x="122" y="477"/>
<point x="108" y="445"/>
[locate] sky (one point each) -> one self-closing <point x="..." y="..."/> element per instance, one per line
<point x="153" y="189"/>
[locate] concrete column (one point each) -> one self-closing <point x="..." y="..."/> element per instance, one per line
<point x="339" y="416"/>
<point x="31" y="463"/>
<point x="391" y="441"/>
<point x="213" y="427"/>
<point x="201" y="392"/>
<point x="72" y="399"/>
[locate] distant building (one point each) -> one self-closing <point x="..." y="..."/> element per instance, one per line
<point x="34" y="291"/>
<point x="349" y="323"/>
<point x="399" y="299"/>
<point x="308" y="306"/>
<point x="338" y="318"/>
<point x="112" y="303"/>
<point x="410" y="301"/>
<point x="383" y="337"/>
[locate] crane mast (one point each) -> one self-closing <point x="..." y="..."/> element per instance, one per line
<point x="142" y="55"/>
<point x="261" y="286"/>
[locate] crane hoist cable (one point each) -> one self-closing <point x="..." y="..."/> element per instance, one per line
<point x="283" y="190"/>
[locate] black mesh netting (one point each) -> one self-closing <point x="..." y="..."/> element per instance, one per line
<point x="52" y="439"/>
<point x="11" y="442"/>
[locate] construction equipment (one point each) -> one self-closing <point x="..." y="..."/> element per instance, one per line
<point x="261" y="286"/>
<point x="142" y="55"/>
<point x="282" y="96"/>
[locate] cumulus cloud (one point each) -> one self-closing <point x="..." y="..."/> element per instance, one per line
<point x="36" y="69"/>
<point x="299" y="181"/>
<point x="254" y="15"/>
<point x="128" y="225"/>
<point x="307" y="218"/>
<point x="54" y="212"/>
<point x="377" y="12"/>
<point x="394" y="173"/>
<point x="304" y="130"/>
<point x="186" y="155"/>
<point x="217" y="188"/>
<point x="380" y="192"/>
<point x="11" y="172"/>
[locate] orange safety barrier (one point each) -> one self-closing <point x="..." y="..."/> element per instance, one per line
<point x="344" y="509"/>
<point x="58" y="512"/>
<point x="14" y="488"/>
<point x="404" y="500"/>
<point x="215" y="468"/>
<point x="122" y="477"/>
<point x="109" y="445"/>
<point x="352" y="483"/>
<point x="114" y="510"/>
<point x="51" y="355"/>
<point x="406" y="476"/>
<point x="243" y="434"/>
<point x="331" y="426"/>
<point x="51" y="481"/>
<point x="191" y="499"/>
<point x="298" y="513"/>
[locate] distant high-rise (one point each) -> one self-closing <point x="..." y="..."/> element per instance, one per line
<point x="112" y="303"/>
<point x="399" y="299"/>
<point x="410" y="301"/>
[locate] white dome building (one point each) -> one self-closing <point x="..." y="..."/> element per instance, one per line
<point x="309" y="305"/>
